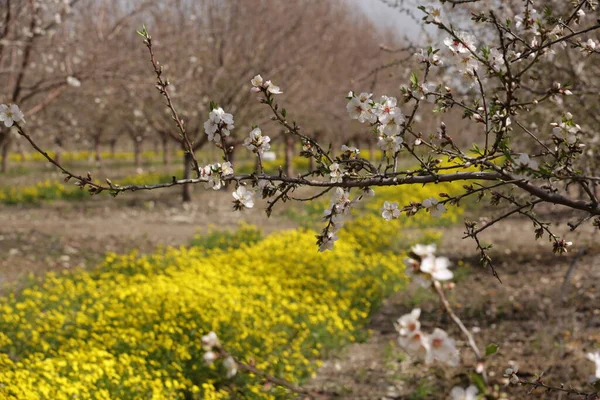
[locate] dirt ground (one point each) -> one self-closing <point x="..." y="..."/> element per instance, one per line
<point x="78" y="234"/>
<point x="541" y="323"/>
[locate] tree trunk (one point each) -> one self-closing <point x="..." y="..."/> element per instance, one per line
<point x="165" y="150"/>
<point x="289" y="155"/>
<point x="137" y="151"/>
<point x="186" y="193"/>
<point x="113" y="148"/>
<point x="5" y="143"/>
<point x="98" y="152"/>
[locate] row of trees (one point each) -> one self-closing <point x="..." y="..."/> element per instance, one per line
<point x="76" y="68"/>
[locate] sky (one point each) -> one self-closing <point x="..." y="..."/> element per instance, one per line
<point x="389" y="17"/>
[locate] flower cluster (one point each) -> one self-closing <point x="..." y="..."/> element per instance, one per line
<point x="256" y="142"/>
<point x="339" y="208"/>
<point x="218" y="125"/>
<point x="384" y="115"/>
<point x="462" y="46"/>
<point x="213" y="350"/>
<point x="214" y="174"/>
<point x="566" y="130"/>
<point x="434" y="347"/>
<point x="9" y="114"/>
<point x="258" y="85"/>
<point x="425" y="267"/>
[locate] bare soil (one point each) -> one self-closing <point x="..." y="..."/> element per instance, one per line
<point x="542" y="323"/>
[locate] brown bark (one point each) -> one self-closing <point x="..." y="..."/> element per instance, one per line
<point x="98" y="152"/>
<point x="165" y="150"/>
<point x="5" y="148"/>
<point x="137" y="151"/>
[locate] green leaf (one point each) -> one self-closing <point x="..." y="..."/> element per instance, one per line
<point x="479" y="382"/>
<point x="491" y="349"/>
<point x="283" y="112"/>
<point x="414" y="79"/>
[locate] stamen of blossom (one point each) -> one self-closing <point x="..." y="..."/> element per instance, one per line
<point x="442" y="348"/>
<point x="409" y="323"/>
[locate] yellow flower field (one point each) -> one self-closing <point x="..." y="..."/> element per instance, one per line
<point x="132" y="327"/>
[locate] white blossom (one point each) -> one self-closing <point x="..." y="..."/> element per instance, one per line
<point x="335" y="173"/>
<point x="590" y="45"/>
<point x="210" y="341"/>
<point x="328" y="241"/>
<point x="390" y="210"/>
<point x="595" y="358"/>
<point x="433" y="15"/>
<point x="219" y="123"/>
<point x="390" y="144"/>
<point x="72" y="81"/>
<point x="416" y="344"/>
<point x="465" y="43"/>
<point x="387" y="110"/>
<point x="10" y="114"/>
<point x="257" y="81"/>
<point x="409" y="323"/>
<point x="271" y="88"/>
<point x="244" y="197"/>
<point x="361" y="108"/>
<point x="350" y="149"/>
<point x="230" y="366"/>
<point x="496" y="59"/>
<point x="525" y="161"/>
<point x="257" y="143"/>
<point x="424" y="250"/>
<point x="432" y="58"/>
<point x="209" y="357"/>
<point x="437" y="267"/>
<point x="434" y="207"/>
<point x="442" y="348"/>
<point x="226" y="169"/>
<point x="458" y="393"/>
<point x="214" y="174"/>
